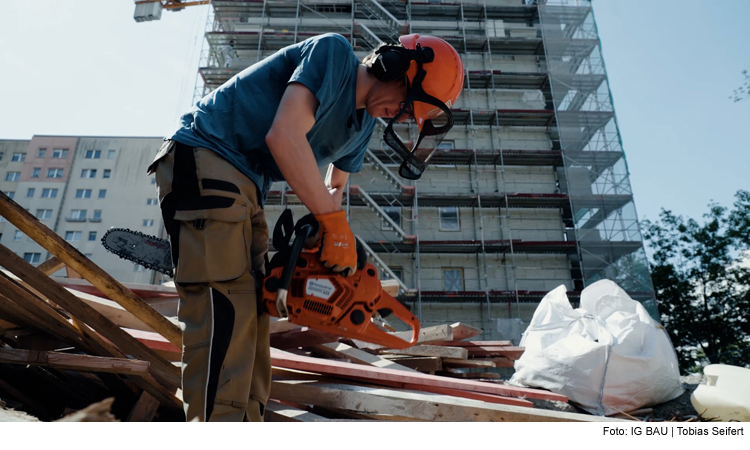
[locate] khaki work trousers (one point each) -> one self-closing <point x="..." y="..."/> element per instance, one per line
<point x="219" y="236"/>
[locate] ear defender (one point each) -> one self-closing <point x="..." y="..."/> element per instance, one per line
<point x="393" y="61"/>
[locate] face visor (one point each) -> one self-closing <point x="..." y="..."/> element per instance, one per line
<point x="434" y="119"/>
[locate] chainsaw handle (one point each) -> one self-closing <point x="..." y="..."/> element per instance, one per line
<point x="299" y="239"/>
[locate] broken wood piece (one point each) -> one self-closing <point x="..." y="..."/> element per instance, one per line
<point x="430" y="350"/>
<point x="510" y="352"/>
<point x="301" y="337"/>
<point x="98" y="412"/>
<point x="390" y="286"/>
<point x="74" y="259"/>
<point x="427" y="335"/>
<point x="70" y="361"/>
<point x="344" y="351"/>
<point x="144" y="409"/>
<point x="280" y="325"/>
<point x="377" y="375"/>
<point x="50" y="266"/>
<point x="424" y="406"/>
<point x="157" y="343"/>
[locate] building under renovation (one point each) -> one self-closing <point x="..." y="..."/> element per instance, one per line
<point x="531" y="188"/>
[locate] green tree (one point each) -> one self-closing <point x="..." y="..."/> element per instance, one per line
<point x="701" y="274"/>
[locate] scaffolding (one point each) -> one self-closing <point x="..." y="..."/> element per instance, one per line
<point x="531" y="190"/>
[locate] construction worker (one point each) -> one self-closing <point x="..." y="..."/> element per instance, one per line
<point x="309" y="105"/>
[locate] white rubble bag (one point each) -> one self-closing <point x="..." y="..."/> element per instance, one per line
<point x="607" y="356"/>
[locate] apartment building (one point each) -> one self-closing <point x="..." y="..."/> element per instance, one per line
<point x="80" y="187"/>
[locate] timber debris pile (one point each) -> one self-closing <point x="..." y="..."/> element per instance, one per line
<point x="94" y="349"/>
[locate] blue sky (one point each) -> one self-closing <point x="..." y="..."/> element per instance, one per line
<point x="82" y="68"/>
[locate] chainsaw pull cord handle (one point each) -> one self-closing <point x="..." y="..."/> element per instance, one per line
<point x="286" y="275"/>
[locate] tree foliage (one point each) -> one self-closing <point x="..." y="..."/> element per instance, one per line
<point x="743" y="91"/>
<point x="701" y="274"/>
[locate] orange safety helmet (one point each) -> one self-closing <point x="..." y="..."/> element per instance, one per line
<point x="435" y="78"/>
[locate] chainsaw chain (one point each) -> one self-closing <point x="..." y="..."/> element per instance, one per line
<point x="130" y="257"/>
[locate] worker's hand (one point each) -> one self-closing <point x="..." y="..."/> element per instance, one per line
<point x="339" y="250"/>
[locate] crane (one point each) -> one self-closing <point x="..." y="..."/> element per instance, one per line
<point x="147" y="10"/>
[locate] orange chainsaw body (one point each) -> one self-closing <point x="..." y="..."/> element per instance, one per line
<point x="344" y="306"/>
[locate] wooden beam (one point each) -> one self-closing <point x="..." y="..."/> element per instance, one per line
<point x="144" y="409"/>
<point x="510" y="352"/>
<point x="50" y="266"/>
<point x="418" y="363"/>
<point x="462" y="331"/>
<point x="426" y="336"/>
<point x="378" y="375"/>
<point x="276" y="412"/>
<point x="74" y="259"/>
<point x="301" y="337"/>
<point x="343" y="351"/>
<point x="430" y="350"/>
<point x="56" y="293"/>
<point x="68" y="361"/>
<point x="468" y="363"/>
<point x="390" y="286"/>
<point x="433" y="407"/>
<point x="112" y="311"/>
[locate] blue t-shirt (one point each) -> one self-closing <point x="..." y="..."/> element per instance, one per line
<point x="234" y="119"/>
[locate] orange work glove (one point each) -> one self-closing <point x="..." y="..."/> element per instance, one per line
<point x="339" y="250"/>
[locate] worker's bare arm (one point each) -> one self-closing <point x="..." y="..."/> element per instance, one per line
<point x="336" y="183"/>
<point x="287" y="140"/>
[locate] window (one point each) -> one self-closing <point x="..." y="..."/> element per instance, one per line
<point x="17" y="235"/>
<point x="88" y="173"/>
<point x="10" y="195"/>
<point x="12" y="176"/>
<point x="139" y="268"/>
<point x="83" y="193"/>
<point x="54" y="173"/>
<point x="111" y="154"/>
<point x="394" y="213"/>
<point x="73" y="236"/>
<point x="102" y="193"/>
<point x="42" y="214"/>
<point x="30" y="192"/>
<point x="36" y="172"/>
<point x="42" y="153"/>
<point x="19" y="156"/>
<point x="97" y="216"/>
<point x="398" y="271"/>
<point x="453" y="280"/>
<point x="92" y="235"/>
<point x="60" y="153"/>
<point x="32" y="258"/>
<point x="49" y="193"/>
<point x="153" y="180"/>
<point x="152" y="201"/>
<point x="148" y="222"/>
<point x="107" y="173"/>
<point x="78" y="214"/>
<point x="449" y="219"/>
<point x="93" y="154"/>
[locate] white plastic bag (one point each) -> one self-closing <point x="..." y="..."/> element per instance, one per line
<point x="607" y="356"/>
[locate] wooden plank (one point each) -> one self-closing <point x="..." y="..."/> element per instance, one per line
<point x="462" y="331"/>
<point x="281" y="325"/>
<point x="510" y="351"/>
<point x="468" y="363"/>
<point x="144" y="409"/>
<point x="390" y="286"/>
<point x="50" y="266"/>
<point x="74" y="259"/>
<point x="276" y="412"/>
<point x="112" y="311"/>
<point x="430" y="350"/>
<point x="301" y="337"/>
<point x="84" y="363"/>
<point x="500" y="361"/>
<point x="158" y="343"/>
<point x="424" y="406"/>
<point x="56" y="293"/>
<point x="376" y="375"/>
<point x="427" y="335"/>
<point x="98" y="412"/>
<point x="469" y="375"/>
<point x="469" y="344"/>
<point x="344" y="351"/>
<point x="418" y="363"/>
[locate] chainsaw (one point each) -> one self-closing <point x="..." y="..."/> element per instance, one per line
<point x="297" y="285"/>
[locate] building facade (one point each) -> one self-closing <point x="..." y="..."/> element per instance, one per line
<point x="80" y="187"/>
